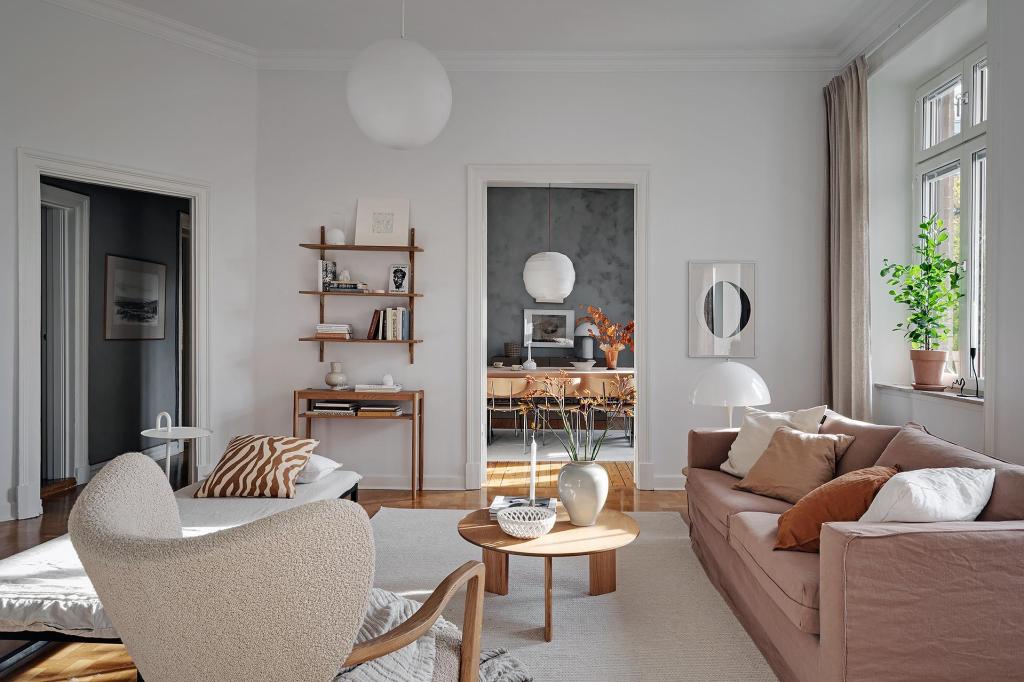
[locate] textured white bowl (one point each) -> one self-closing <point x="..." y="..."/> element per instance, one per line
<point x="586" y="364"/>
<point x="526" y="523"/>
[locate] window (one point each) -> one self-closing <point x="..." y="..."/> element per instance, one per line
<point x="951" y="177"/>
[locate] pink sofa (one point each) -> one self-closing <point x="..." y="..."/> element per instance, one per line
<point x="887" y="601"/>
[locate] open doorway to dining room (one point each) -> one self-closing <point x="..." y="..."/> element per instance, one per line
<point x="559" y="252"/>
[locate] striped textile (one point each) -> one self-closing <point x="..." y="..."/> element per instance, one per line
<point x="258" y="466"/>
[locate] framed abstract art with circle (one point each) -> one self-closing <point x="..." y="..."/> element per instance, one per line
<point x="723" y="309"/>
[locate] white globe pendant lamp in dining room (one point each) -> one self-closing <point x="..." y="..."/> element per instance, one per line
<point x="549" y="275"/>
<point x="399" y="93"/>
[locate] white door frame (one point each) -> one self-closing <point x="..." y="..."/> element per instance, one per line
<point x="480" y="177"/>
<point x="32" y="164"/>
<point x="76" y="210"/>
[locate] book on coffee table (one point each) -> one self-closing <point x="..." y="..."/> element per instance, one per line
<point x="505" y="502"/>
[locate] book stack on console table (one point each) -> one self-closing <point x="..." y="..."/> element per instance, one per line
<point x="378" y="388"/>
<point x="380" y="410"/>
<point x="389" y="324"/>
<point x="339" y="407"/>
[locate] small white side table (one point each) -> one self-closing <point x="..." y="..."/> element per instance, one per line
<point x="168" y="433"/>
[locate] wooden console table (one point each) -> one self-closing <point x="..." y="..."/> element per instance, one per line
<point x="415" y="416"/>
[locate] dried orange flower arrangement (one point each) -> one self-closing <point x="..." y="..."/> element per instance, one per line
<point x="611" y="336"/>
<point x="577" y="410"/>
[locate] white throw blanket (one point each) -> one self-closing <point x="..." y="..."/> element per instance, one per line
<point x="435" y="651"/>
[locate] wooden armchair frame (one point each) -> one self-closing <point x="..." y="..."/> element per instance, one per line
<point x="470" y="574"/>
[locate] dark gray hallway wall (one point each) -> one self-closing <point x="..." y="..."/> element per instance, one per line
<point x="130" y="382"/>
<point x="593" y="227"/>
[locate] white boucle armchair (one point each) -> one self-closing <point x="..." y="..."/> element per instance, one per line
<point x="281" y="598"/>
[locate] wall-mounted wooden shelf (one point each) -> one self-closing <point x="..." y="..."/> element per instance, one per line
<point x="411" y="249"/>
<point x="354" y="247"/>
<point x="320" y="340"/>
<point x="363" y="294"/>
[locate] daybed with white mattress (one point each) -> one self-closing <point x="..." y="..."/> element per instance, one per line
<point x="45" y="594"/>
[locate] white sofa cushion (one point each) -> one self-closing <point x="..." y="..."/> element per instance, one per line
<point x="925" y="495"/>
<point x="757" y="429"/>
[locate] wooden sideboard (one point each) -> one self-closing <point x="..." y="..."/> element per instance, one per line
<point x="414" y="416"/>
<point x="508" y="373"/>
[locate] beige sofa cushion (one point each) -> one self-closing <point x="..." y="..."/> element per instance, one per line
<point x="915" y="448"/>
<point x="794" y="464"/>
<point x="871" y="440"/>
<point x="791" y="579"/>
<point x="713" y="492"/>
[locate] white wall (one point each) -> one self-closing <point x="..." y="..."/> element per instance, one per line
<point x="737" y="172"/>
<point x="79" y="86"/>
<point x="890" y="126"/>
<point x="1005" y="314"/>
<point x="958" y="421"/>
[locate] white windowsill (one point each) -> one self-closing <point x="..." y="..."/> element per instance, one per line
<point x="934" y="395"/>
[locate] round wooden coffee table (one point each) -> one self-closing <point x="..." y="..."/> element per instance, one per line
<point x="612" y="530"/>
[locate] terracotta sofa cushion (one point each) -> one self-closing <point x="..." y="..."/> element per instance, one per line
<point x="915" y="448"/>
<point x="870" y="441"/>
<point x="713" y="492"/>
<point x="791" y="579"/>
<point x="845" y="498"/>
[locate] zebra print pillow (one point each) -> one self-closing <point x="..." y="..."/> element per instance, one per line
<point x="258" y="466"/>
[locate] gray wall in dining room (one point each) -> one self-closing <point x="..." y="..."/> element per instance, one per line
<point x="593" y="227"/>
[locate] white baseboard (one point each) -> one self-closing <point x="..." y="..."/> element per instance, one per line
<point x="29" y="504"/>
<point x="670" y="482"/>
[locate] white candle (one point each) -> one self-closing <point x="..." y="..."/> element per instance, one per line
<point x="533" y="471"/>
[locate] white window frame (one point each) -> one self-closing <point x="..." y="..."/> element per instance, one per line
<point x="969" y="128"/>
<point x="964" y="155"/>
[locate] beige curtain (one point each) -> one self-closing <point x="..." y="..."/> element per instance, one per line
<point x="849" y="343"/>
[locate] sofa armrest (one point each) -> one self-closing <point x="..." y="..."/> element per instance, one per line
<point x="708" y="448"/>
<point x="922" y="601"/>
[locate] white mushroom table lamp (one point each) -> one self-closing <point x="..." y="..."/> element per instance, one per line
<point x="730" y="384"/>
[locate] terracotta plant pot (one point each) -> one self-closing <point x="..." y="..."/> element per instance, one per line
<point x="928" y="366"/>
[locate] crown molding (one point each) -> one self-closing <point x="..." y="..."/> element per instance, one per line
<point x="575" y="61"/>
<point x="151" y="23"/>
<point x="159" y="26"/>
<point x="880" y="25"/>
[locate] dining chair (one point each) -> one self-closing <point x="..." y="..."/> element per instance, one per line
<point x="502" y="394"/>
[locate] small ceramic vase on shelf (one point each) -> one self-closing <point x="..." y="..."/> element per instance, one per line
<point x="335" y="379"/>
<point x="583" y="490"/>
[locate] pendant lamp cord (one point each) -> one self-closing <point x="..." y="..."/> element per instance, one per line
<point x="403" y="19"/>
<point x="549" y="216"/>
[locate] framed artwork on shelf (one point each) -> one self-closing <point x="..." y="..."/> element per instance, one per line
<point x="398" y="278"/>
<point x="382" y="222"/>
<point x="135" y="299"/>
<point x="548" y="328"/>
<point x="723" y="309"/>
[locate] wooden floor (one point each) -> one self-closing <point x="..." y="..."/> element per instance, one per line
<point x="517" y="474"/>
<point x="111" y="663"/>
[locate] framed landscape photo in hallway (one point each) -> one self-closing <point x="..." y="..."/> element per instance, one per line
<point x="135" y="299"/>
<point x="722" y="309"/>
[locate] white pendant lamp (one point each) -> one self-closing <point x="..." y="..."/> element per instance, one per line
<point x="549" y="276"/>
<point x="399" y="93"/>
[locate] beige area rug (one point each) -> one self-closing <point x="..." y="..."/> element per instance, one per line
<point x="664" y="622"/>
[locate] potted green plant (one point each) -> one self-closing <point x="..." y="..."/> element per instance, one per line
<point x="931" y="290"/>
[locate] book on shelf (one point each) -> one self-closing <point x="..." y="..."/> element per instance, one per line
<point x="332" y="405"/>
<point x="342" y="413"/>
<point x="506" y="501"/>
<point x="378" y="388"/>
<point x="326" y="272"/>
<point x="338" y="285"/>
<point x="333" y="335"/>
<point x="389" y="324"/>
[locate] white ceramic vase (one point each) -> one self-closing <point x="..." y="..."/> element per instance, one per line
<point x="335" y="378"/>
<point x="583" y="489"/>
